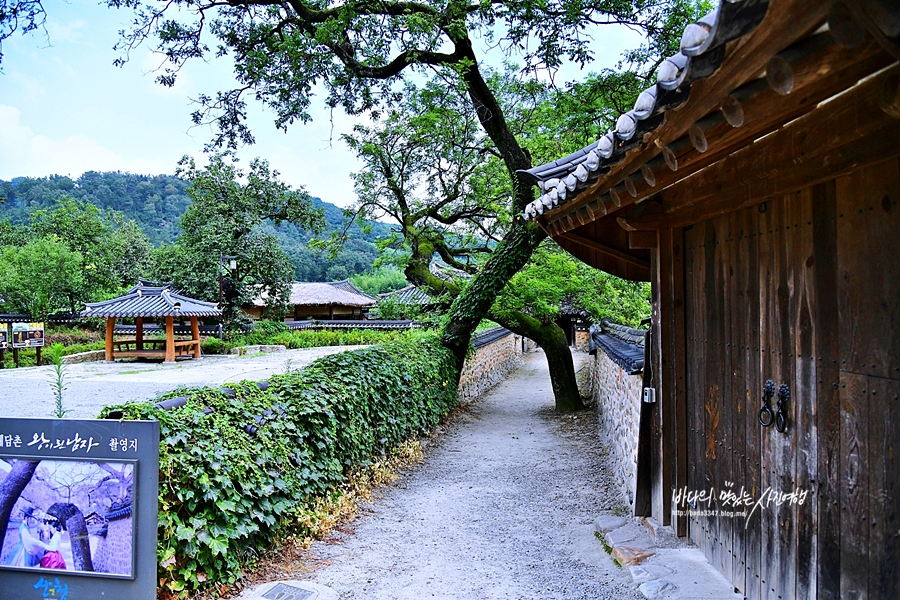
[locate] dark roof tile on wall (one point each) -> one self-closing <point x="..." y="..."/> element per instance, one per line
<point x="624" y="345"/>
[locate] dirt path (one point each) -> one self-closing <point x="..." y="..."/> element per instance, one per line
<point x="502" y="508"/>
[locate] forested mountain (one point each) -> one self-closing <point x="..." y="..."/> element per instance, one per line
<point x="156" y="202"/>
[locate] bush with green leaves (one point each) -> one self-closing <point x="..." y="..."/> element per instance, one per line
<point x="238" y="472"/>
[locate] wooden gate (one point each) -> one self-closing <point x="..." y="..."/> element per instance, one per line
<point x="796" y="290"/>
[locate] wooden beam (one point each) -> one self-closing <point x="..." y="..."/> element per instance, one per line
<point x="638" y="240"/>
<point x="110" y="334"/>
<point x="677" y="384"/>
<point x="170" y="340"/>
<point x="139" y="333"/>
<point x="623" y="256"/>
<point x="195" y="335"/>
<point x="840" y="136"/>
<point x="816" y="78"/>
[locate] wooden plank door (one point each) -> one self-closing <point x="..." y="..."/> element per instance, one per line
<point x="750" y="316"/>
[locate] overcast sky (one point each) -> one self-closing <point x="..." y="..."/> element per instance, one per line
<point x="65" y="109"/>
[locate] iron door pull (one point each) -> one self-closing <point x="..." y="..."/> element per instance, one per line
<point x="784" y="394"/>
<point x="765" y="416"/>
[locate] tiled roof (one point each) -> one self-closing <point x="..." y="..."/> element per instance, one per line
<point x="490" y="336"/>
<point x="412" y="294"/>
<point x="151" y="301"/>
<point x="408" y="295"/>
<point x="702" y="51"/>
<point x="624" y="345"/>
<point x="346" y="286"/>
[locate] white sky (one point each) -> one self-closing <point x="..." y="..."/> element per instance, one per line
<point x="65" y="109"/>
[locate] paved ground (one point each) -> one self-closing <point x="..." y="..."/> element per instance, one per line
<point x="91" y="386"/>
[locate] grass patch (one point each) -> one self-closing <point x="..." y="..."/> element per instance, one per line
<point x="607" y="548"/>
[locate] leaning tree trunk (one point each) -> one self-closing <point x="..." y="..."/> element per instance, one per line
<point x="473" y="304"/>
<point x="73" y="521"/>
<point x="11" y="488"/>
<point x="552" y="339"/>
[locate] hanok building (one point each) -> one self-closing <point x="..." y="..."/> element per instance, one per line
<point x="155" y="302"/>
<point x="330" y="300"/>
<point x="757" y="186"/>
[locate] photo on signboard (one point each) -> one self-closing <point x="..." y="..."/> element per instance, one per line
<point x="68" y="515"/>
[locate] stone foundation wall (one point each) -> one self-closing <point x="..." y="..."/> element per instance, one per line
<point x="489" y="366"/>
<point x="618" y="398"/>
<point x="581" y="340"/>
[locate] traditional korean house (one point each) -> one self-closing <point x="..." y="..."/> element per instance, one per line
<point x="756" y="184"/>
<point x="330" y="300"/>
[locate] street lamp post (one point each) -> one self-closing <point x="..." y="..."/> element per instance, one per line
<point x="232" y="264"/>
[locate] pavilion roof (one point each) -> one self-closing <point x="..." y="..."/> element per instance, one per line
<point x="144" y="300"/>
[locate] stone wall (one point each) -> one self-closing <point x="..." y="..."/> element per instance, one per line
<point x="490" y="365"/>
<point x="581" y="340"/>
<point x="618" y="398"/>
<point x="119" y="546"/>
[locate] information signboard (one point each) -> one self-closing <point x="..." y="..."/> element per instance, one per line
<point x="27" y="335"/>
<point x="4" y="337"/>
<point x="84" y="502"/>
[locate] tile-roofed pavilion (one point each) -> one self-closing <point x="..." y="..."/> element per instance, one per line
<point x="146" y="300"/>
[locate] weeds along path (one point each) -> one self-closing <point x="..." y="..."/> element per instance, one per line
<point x="501" y="508"/>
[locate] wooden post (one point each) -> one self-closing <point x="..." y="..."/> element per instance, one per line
<point x="38" y="351"/>
<point x="170" y="340"/>
<point x="110" y="329"/>
<point x="16" y="357"/>
<point x="139" y="333"/>
<point x="195" y="335"/>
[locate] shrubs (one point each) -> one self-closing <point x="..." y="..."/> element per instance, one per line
<point x="213" y="345"/>
<point x="237" y="472"/>
<point x="269" y="333"/>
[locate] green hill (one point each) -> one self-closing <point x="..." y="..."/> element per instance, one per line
<point x="156" y="202"/>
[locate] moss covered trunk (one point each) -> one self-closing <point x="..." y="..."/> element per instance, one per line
<point x="473" y="304"/>
<point x="552" y="339"/>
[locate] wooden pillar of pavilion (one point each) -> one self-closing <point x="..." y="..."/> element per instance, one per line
<point x="110" y="332"/>
<point x="195" y="336"/>
<point x="139" y="333"/>
<point x="170" y="339"/>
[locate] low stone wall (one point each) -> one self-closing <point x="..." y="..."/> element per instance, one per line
<point x="82" y="357"/>
<point x="259" y="349"/>
<point x="490" y="365"/>
<point x="618" y="398"/>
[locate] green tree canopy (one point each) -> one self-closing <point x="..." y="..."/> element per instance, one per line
<point x="360" y="51"/>
<point x="553" y="276"/>
<point x="113" y="249"/>
<point x="40" y="277"/>
<point x="226" y="216"/>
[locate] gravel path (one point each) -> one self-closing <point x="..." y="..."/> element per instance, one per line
<point x="501" y="508"/>
<point x="93" y="385"/>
